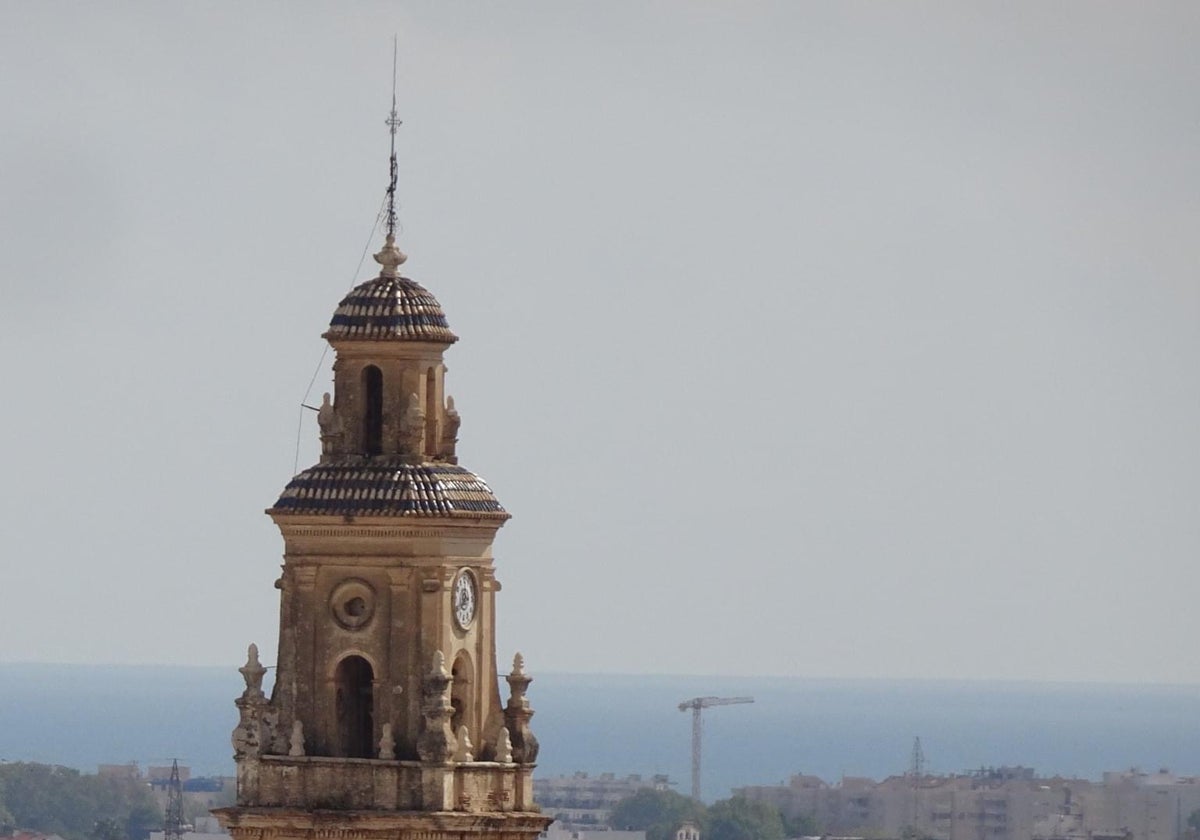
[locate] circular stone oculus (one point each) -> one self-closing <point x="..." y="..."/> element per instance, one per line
<point x="352" y="603"/>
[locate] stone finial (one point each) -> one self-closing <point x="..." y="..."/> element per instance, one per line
<point x="504" y="751"/>
<point x="518" y="713"/>
<point x="436" y="744"/>
<point x="390" y="257"/>
<point x="252" y="734"/>
<point x="462" y="750"/>
<point x="412" y="426"/>
<point x="296" y="743"/>
<point x="252" y="672"/>
<point x="387" y="743"/>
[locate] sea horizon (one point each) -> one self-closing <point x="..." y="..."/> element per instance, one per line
<point x="90" y="714"/>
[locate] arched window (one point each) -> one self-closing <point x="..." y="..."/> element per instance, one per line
<point x="460" y="693"/>
<point x="372" y="410"/>
<point x="355" y="707"/>
<point x="431" y="411"/>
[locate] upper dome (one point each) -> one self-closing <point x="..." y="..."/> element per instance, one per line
<point x="390" y="309"/>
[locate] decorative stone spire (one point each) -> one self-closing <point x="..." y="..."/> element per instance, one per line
<point x="463" y="748"/>
<point x="252" y="734"/>
<point x="296" y="742"/>
<point x="436" y="744"/>
<point x="387" y="743"/>
<point x="252" y="672"/>
<point x="504" y="749"/>
<point x="390" y="257"/>
<point x="517" y="714"/>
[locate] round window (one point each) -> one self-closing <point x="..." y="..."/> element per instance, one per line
<point x="352" y="603"/>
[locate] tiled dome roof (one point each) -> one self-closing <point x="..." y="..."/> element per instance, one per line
<point x="390" y="309"/>
<point x="389" y="488"/>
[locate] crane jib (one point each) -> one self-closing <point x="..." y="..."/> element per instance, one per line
<point x="697" y="705"/>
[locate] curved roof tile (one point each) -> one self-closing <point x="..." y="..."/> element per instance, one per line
<point x="389" y="488"/>
<point x="390" y="308"/>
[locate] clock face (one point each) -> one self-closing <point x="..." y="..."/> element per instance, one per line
<point x="464" y="599"/>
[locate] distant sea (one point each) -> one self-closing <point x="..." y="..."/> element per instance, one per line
<point x="82" y="716"/>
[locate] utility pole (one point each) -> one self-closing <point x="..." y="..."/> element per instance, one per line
<point x="698" y="705"/>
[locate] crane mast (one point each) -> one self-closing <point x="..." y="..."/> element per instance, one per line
<point x="698" y="705"/>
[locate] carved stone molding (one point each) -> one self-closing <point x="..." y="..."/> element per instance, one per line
<point x="305" y="576"/>
<point x="389" y="532"/>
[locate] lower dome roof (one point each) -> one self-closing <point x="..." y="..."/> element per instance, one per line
<point x="389" y="487"/>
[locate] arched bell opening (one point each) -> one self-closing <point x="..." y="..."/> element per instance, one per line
<point x="432" y="410"/>
<point x="372" y="388"/>
<point x="354" y="702"/>
<point x="462" y="680"/>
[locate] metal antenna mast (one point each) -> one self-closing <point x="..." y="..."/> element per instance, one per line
<point x="392" y="124"/>
<point x="173" y="819"/>
<point x="697" y="705"/>
<point x="916" y="773"/>
<point x="917" y="766"/>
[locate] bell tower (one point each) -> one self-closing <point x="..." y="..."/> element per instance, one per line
<point x="385" y="719"/>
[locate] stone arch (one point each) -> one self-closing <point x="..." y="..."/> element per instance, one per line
<point x="462" y="694"/>
<point x="354" y="707"/>
<point x="433" y="410"/>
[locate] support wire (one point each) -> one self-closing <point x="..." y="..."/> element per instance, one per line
<point x="325" y="352"/>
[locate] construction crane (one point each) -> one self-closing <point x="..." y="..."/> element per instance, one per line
<point x="697" y="705"/>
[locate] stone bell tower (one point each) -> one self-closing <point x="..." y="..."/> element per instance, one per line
<point x="385" y="720"/>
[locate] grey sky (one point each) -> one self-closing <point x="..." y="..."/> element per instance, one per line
<point x="824" y="339"/>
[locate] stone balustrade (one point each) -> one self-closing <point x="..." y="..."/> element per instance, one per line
<point x="363" y="784"/>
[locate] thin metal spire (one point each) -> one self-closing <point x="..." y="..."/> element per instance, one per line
<point x="391" y="257"/>
<point x="392" y="124"/>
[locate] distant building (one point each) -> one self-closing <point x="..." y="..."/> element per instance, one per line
<point x="581" y="802"/>
<point x="120" y="771"/>
<point x="1007" y="803"/>
<point x="161" y="775"/>
<point x="558" y="832"/>
<point x="203" y="828"/>
<point x="20" y="834"/>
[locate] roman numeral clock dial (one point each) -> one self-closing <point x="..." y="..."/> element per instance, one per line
<point x="464" y="599"/>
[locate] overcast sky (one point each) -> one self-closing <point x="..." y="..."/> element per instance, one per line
<point x="841" y="339"/>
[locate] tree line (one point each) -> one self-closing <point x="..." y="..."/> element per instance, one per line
<point x="660" y="813"/>
<point x="77" y="806"/>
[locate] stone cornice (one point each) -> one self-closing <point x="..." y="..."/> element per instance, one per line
<point x="381" y="527"/>
<point x="243" y="822"/>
